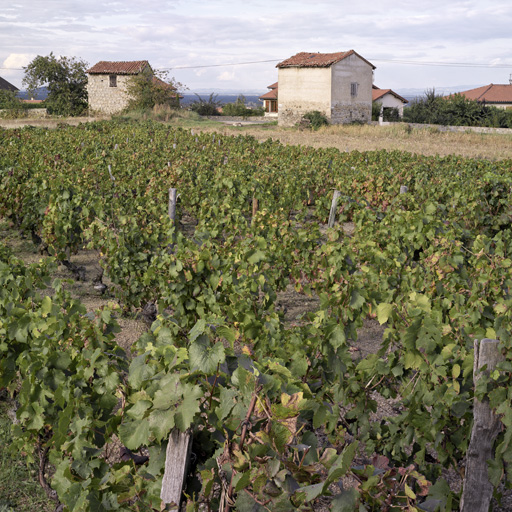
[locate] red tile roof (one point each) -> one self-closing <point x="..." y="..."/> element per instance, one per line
<point x="273" y="86"/>
<point x="270" y="95"/>
<point x="493" y="93"/>
<point x="317" y="60"/>
<point x="379" y="93"/>
<point x="118" y="68"/>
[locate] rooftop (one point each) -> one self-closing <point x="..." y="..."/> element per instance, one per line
<point x="317" y="60"/>
<point x="119" y="67"/>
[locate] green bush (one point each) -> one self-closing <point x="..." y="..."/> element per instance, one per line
<point x="209" y="107"/>
<point x="455" y="110"/>
<point x="239" y="109"/>
<point x="316" y="119"/>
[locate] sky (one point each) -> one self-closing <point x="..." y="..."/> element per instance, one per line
<point x="234" y="45"/>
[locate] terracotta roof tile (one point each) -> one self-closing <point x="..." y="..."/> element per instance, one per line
<point x="273" y="86"/>
<point x="379" y="93"/>
<point x="317" y="60"/>
<point x="493" y="93"/>
<point x="270" y="95"/>
<point x="118" y="68"/>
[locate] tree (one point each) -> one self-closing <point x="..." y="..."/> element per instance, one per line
<point x="148" y="89"/>
<point x="239" y="108"/>
<point x="209" y="107"/>
<point x="10" y="105"/>
<point x="66" y="80"/>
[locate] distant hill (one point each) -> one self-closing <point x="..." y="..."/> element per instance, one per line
<point x="38" y="94"/>
<point x="251" y="99"/>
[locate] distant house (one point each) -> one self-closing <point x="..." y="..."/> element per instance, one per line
<point x="497" y="95"/>
<point x="108" y="81"/>
<point x="270" y="100"/>
<point x="388" y="99"/>
<point x="339" y="85"/>
<point x="6" y="86"/>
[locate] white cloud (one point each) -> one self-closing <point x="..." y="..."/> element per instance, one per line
<point x="226" y="76"/>
<point x="18" y="60"/>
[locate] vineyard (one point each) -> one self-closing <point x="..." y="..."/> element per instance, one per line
<point x="282" y="414"/>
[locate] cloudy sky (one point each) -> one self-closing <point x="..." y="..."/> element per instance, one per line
<point x="219" y="44"/>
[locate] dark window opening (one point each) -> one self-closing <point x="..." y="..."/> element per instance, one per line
<point x="113" y="80"/>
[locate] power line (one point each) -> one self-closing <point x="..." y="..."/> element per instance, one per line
<point x="395" y="61"/>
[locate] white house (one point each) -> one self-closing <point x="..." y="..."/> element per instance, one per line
<point x="339" y="85"/>
<point x="388" y="99"/>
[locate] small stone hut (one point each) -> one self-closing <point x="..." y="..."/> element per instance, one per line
<point x="107" y="84"/>
<point x="339" y="85"/>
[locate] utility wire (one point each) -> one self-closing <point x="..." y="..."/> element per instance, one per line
<point x="395" y="61"/>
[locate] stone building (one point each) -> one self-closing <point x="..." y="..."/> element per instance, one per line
<point x="339" y="85"/>
<point x="107" y="83"/>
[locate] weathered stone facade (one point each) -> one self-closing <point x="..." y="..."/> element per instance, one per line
<point x="342" y="90"/>
<point x="104" y="98"/>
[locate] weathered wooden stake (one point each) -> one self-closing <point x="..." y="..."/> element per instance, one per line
<point x="477" y="489"/>
<point x="176" y="465"/>
<point x="403" y="189"/>
<point x="172" y="204"/>
<point x="334" y="204"/>
<point x="255" y="205"/>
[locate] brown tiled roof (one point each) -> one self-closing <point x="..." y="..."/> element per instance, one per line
<point x="379" y="93"/>
<point x="118" y="68"/>
<point x="270" y="95"/>
<point x="493" y="93"/>
<point x="273" y="86"/>
<point x="317" y="60"/>
<point x="6" y="86"/>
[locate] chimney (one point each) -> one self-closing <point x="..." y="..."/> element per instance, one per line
<point x="510" y="79"/>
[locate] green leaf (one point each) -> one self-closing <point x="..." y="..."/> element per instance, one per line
<point x="227" y="333"/>
<point x="197" y="330"/>
<point x="342" y="465"/>
<point x="189" y="408"/>
<point x="205" y="356"/>
<point x="346" y="501"/>
<point x="384" y="312"/>
<point x="134" y="433"/>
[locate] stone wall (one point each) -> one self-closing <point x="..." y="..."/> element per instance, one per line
<point x="106" y="99"/>
<point x="351" y="113"/>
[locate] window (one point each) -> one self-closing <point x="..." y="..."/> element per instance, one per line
<point x="113" y="80"/>
<point x="353" y="88"/>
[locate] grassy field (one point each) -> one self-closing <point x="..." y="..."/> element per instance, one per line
<point x="424" y="141"/>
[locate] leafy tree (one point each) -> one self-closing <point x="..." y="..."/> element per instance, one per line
<point x="148" y="89"/>
<point x="455" y="110"/>
<point x="239" y="108"/>
<point x="66" y="80"/>
<point x="209" y="107"/>
<point x="10" y="105"/>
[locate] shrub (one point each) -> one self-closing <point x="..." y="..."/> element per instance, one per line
<point x="316" y="119"/>
<point x="209" y="107"/>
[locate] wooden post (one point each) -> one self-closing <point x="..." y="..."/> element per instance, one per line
<point x="176" y="464"/>
<point x="172" y="204"/>
<point x="334" y="204"/>
<point x="255" y="205"/>
<point x="403" y="189"/>
<point x="477" y="489"/>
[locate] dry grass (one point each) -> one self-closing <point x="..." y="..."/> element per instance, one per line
<point x="424" y="141"/>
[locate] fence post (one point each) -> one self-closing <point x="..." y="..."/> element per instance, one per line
<point x="176" y="464"/>
<point x="172" y="204"/>
<point x="334" y="204"/>
<point x="403" y="189"/>
<point x="477" y="489"/>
